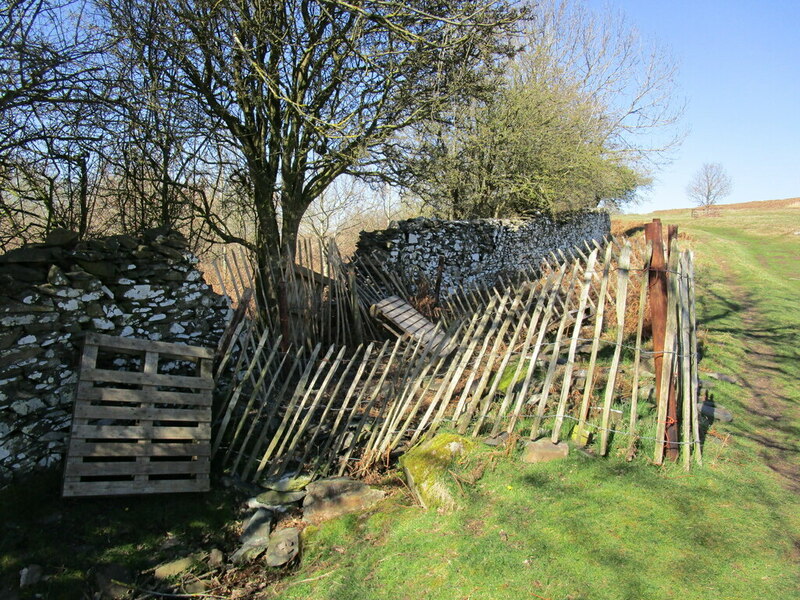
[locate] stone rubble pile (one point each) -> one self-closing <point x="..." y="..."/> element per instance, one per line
<point x="51" y="294"/>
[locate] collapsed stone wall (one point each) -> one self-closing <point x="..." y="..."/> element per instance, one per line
<point x="51" y="294"/>
<point x="476" y="252"/>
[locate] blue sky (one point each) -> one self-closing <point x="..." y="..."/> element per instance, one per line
<point x="740" y="75"/>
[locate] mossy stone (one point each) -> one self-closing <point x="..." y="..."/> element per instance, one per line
<point x="427" y="469"/>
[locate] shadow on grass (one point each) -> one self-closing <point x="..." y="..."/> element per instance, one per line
<point x="70" y="538"/>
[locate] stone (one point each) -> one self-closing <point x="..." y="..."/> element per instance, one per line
<point x="102" y="269"/>
<point x="9" y="337"/>
<point x="248" y="553"/>
<point x="257" y="528"/>
<point x="174" y="568"/>
<point x="427" y="470"/>
<point x="55" y="276"/>
<point x="331" y="498"/>
<point x="22" y="273"/>
<point x="30" y="254"/>
<point x="498" y="440"/>
<point x="715" y="411"/>
<point x="283" y="546"/>
<point x="291" y="483"/>
<point x="544" y="450"/>
<point x="110" y="580"/>
<point x="30" y="575"/>
<point x="215" y="558"/>
<point x="273" y="499"/>
<point x="17" y="355"/>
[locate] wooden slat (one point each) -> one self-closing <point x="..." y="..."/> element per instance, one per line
<point x="165" y="349"/>
<point x="86" y="391"/>
<point x="118" y="449"/>
<point x="130" y="378"/>
<point x="125" y="488"/>
<point x="131" y="413"/>
<point x="79" y="468"/>
<point x="126" y="432"/>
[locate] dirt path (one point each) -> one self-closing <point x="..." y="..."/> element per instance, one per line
<point x="774" y="414"/>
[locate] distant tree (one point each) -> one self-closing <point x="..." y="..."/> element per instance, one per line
<point x="709" y="185"/>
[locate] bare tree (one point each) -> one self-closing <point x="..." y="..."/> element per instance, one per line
<point x="301" y="90"/>
<point x="709" y="185"/>
<point x="51" y="86"/>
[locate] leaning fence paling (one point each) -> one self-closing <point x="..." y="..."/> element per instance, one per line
<point x="557" y="352"/>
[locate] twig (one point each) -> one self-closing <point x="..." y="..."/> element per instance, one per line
<point x="311" y="578"/>
<point x="165" y="594"/>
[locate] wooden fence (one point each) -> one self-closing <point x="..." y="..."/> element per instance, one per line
<point x="558" y="349"/>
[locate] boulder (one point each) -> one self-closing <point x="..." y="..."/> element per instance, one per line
<point x="330" y="498"/>
<point x="544" y="451"/>
<point x="284" y="545"/>
<point x="427" y="470"/>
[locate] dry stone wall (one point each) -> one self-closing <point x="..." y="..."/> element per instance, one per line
<point x="51" y="294"/>
<point x="476" y="252"/>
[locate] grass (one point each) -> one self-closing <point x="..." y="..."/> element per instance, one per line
<point x="72" y="539"/>
<point x="582" y="528"/>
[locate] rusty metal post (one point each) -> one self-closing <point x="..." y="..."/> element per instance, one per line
<point x="658" y="319"/>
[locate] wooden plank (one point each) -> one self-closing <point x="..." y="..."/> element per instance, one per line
<point x="366" y="412"/>
<point x="548" y="380"/>
<point x="664" y="385"/>
<point x="125" y="432"/>
<point x="265" y="369"/>
<point x="299" y="389"/>
<point x="127" y="488"/>
<point x="78" y="468"/>
<point x="332" y="369"/>
<point x="623" y="269"/>
<point x="131" y="413"/>
<point x="576" y="331"/>
<point x="165" y="349"/>
<point x="131" y="378"/>
<point x="549" y="291"/>
<point x="117" y="449"/>
<point x="694" y="356"/>
<point x="598" y="330"/>
<point x="323" y="458"/>
<point x="684" y="361"/>
<point x="644" y="286"/>
<point x="87" y="391"/>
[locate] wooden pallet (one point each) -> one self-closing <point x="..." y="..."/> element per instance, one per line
<point x="140" y="432"/>
<point x="409" y="321"/>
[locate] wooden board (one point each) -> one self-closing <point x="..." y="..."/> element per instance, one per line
<point x="143" y="440"/>
<point x="409" y="320"/>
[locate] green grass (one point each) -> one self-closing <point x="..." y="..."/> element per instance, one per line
<point x="71" y="539"/>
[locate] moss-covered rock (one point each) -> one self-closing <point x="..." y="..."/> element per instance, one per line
<point x="427" y="468"/>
